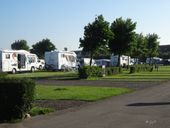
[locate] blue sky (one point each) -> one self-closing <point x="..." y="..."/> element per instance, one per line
<point x="63" y="21"/>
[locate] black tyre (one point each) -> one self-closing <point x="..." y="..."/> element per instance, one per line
<point x="13" y="71"/>
<point x="32" y="69"/>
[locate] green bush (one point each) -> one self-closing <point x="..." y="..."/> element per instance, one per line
<point x="141" y="68"/>
<point x="132" y="69"/>
<point x="113" y="70"/>
<point x="87" y="71"/>
<point x="16" y="97"/>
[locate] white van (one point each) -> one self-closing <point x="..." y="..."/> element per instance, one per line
<point x="60" y="60"/>
<point x="17" y="61"/>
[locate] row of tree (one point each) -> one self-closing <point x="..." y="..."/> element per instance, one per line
<point x="38" y="48"/>
<point x="119" y="38"/>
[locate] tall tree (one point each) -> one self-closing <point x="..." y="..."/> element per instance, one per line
<point x="139" y="49"/>
<point x="152" y="45"/>
<point x="42" y="46"/>
<point x="20" y="44"/>
<point x="123" y="37"/>
<point x="96" y="34"/>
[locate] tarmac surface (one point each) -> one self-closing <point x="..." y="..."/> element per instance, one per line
<point x="145" y="108"/>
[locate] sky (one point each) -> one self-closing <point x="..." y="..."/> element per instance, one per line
<point x="63" y="21"/>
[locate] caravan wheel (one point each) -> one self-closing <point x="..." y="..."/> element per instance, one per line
<point x="32" y="69"/>
<point x="40" y="67"/>
<point x="13" y="71"/>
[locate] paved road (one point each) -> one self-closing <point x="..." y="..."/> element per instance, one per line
<point x="147" y="108"/>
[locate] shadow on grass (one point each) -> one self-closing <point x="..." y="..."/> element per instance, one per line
<point x="148" y="104"/>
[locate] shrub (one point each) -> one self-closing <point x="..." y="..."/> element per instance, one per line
<point x="87" y="71"/>
<point x="141" y="68"/>
<point x="16" y="97"/>
<point x="113" y="70"/>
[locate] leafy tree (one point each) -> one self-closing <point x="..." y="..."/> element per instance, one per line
<point x="152" y="45"/>
<point x="139" y="49"/>
<point x="42" y="46"/>
<point x="96" y="34"/>
<point x="20" y="44"/>
<point x="123" y="37"/>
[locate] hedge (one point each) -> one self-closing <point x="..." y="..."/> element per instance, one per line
<point x="113" y="70"/>
<point x="87" y="71"/>
<point x="16" y="97"/>
<point x="95" y="71"/>
<point x="141" y="68"/>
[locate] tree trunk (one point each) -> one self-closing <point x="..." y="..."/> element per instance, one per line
<point x="118" y="63"/>
<point x="91" y="57"/>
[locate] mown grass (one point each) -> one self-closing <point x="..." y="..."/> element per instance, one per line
<point x="46" y="74"/>
<point x="77" y="92"/>
<point x="161" y="75"/>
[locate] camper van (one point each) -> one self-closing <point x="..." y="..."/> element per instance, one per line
<point x="124" y="60"/>
<point x="17" y="61"/>
<point x="60" y="60"/>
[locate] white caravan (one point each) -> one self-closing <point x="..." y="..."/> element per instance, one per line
<point x="101" y="62"/>
<point x="124" y="60"/>
<point x="17" y="61"/>
<point x="86" y="62"/>
<point x="60" y="60"/>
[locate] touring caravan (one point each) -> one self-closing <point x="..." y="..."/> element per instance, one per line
<point x="17" y="61"/>
<point x="124" y="60"/>
<point x="60" y="60"/>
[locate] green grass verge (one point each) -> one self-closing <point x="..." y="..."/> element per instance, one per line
<point x="44" y="74"/>
<point x="77" y="92"/>
<point x="40" y="111"/>
<point x="161" y="75"/>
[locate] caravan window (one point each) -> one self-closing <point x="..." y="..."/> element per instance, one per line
<point x="7" y="56"/>
<point x="31" y="59"/>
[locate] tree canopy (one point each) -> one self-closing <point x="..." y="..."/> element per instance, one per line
<point x="20" y="44"/>
<point x="139" y="50"/>
<point x="124" y="35"/>
<point x="152" y="45"/>
<point x="42" y="46"/>
<point x="96" y="34"/>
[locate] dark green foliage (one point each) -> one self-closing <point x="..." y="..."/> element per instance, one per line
<point x="96" y="35"/>
<point x="141" y="68"/>
<point x="139" y="49"/>
<point x="42" y="46"/>
<point x="20" y="44"/>
<point x="113" y="70"/>
<point x="152" y="45"/>
<point x="124" y="36"/>
<point x="16" y="97"/>
<point x="90" y="71"/>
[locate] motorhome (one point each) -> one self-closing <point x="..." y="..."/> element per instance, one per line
<point x="60" y="60"/>
<point x="17" y="61"/>
<point x="124" y="60"/>
<point x="101" y="62"/>
<point x="86" y="62"/>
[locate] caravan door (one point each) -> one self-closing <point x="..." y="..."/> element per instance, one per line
<point x="21" y="62"/>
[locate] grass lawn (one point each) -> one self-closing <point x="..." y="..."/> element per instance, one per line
<point x="161" y="75"/>
<point x="77" y="92"/>
<point x="46" y="74"/>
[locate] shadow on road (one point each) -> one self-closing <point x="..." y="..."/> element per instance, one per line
<point x="148" y="104"/>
